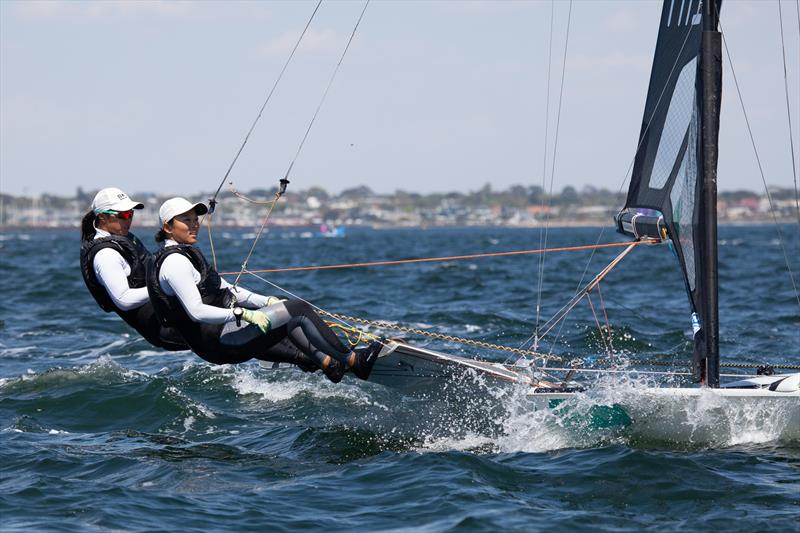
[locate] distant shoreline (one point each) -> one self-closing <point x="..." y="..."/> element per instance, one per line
<point x="381" y="227"/>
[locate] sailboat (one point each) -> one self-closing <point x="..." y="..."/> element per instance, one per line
<point x="672" y="198"/>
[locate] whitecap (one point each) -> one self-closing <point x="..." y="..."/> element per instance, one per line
<point x="281" y="387"/>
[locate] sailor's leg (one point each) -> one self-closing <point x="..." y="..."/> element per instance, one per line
<point x="303" y="331"/>
<point x="313" y="336"/>
<point x="284" y="351"/>
<point x="333" y="368"/>
<point x="305" y="335"/>
<point x="273" y="347"/>
<point x="313" y="326"/>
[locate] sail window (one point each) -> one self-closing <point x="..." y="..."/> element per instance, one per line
<point x="683" y="197"/>
<point x="676" y="125"/>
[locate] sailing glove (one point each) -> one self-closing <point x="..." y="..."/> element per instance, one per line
<point x="257" y="318"/>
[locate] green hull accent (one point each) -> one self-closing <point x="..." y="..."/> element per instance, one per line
<point x="599" y="416"/>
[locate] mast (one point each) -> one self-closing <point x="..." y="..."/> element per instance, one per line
<point x="711" y="76"/>
<point x="673" y="189"/>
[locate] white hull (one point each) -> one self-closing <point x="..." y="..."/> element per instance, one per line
<point x="725" y="416"/>
<point x="744" y="411"/>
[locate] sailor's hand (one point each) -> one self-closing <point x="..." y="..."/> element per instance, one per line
<point x="272" y="300"/>
<point x="257" y="318"/>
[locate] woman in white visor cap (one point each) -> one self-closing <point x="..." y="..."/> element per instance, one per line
<point x="225" y="324"/>
<point x="113" y="264"/>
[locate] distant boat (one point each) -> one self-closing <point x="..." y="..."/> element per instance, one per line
<point x="330" y="230"/>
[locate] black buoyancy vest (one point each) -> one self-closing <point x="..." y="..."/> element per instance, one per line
<point x="143" y="319"/>
<point x="204" y="339"/>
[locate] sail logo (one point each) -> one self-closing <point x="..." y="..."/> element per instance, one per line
<point x="685" y="16"/>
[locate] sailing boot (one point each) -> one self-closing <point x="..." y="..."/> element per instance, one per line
<point x="362" y="360"/>
<point x="333" y="369"/>
<point x="305" y="363"/>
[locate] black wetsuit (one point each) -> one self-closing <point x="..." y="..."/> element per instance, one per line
<point x="218" y="343"/>
<point x="143" y="319"/>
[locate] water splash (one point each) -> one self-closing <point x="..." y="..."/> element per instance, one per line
<point x="284" y="385"/>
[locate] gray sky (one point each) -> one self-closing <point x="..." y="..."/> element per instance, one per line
<point x="432" y="96"/>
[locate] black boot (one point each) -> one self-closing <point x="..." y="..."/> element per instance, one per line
<point x="334" y="370"/>
<point x="284" y="352"/>
<point x="306" y="364"/>
<point x="365" y="359"/>
<point x="300" y="360"/>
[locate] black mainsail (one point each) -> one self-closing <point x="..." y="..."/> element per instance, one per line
<point x="673" y="186"/>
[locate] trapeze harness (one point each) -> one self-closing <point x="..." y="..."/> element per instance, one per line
<point x="143" y="318"/>
<point x="296" y="328"/>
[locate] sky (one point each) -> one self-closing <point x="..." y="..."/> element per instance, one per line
<point x="431" y="97"/>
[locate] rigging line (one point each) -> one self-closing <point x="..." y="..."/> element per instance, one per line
<point x="213" y="199"/>
<point x="490" y="346"/>
<point x="325" y="94"/>
<point x="789" y="113"/>
<point x="544" y="175"/>
<point x="285" y="180"/>
<point x="562" y="313"/>
<point x="605" y="315"/>
<point x="625" y="371"/>
<point x="439" y="336"/>
<point x="634" y="371"/>
<point x="211" y="240"/>
<point x="553" y="160"/>
<point x="760" y="167"/>
<point x="628" y="173"/>
<point x="449" y="258"/>
<point x="599" y="327"/>
<point x="321" y="310"/>
<point x="278" y="195"/>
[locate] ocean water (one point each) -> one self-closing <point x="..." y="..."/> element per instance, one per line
<point x="99" y="431"/>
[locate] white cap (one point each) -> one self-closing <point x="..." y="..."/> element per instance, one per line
<point x="113" y="199"/>
<point x="177" y="206"/>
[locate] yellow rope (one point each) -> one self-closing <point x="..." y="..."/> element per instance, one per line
<point x="348" y="330"/>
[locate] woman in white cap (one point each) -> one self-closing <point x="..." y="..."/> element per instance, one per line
<point x="113" y="264"/>
<point x="225" y="324"/>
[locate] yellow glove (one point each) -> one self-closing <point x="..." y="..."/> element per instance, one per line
<point x="272" y="300"/>
<point x="258" y="319"/>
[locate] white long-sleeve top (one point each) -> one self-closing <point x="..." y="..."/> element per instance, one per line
<point x="112" y="272"/>
<point x="179" y="278"/>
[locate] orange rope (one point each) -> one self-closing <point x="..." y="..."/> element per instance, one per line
<point x="449" y="258"/>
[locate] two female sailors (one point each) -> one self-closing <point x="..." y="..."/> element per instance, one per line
<point x="113" y="264"/>
<point x="226" y="324"/>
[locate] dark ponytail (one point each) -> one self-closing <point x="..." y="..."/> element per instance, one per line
<point x="88" y="230"/>
<point x="161" y="235"/>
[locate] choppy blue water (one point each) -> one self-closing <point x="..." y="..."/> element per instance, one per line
<point x="99" y="431"/>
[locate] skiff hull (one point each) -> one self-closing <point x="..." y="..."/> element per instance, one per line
<point x="744" y="409"/>
<point x="417" y="371"/>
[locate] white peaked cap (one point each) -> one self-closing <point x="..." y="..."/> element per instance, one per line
<point x="177" y="206"/>
<point x="113" y="199"/>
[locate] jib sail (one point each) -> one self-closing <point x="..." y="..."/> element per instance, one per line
<point x="665" y="197"/>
